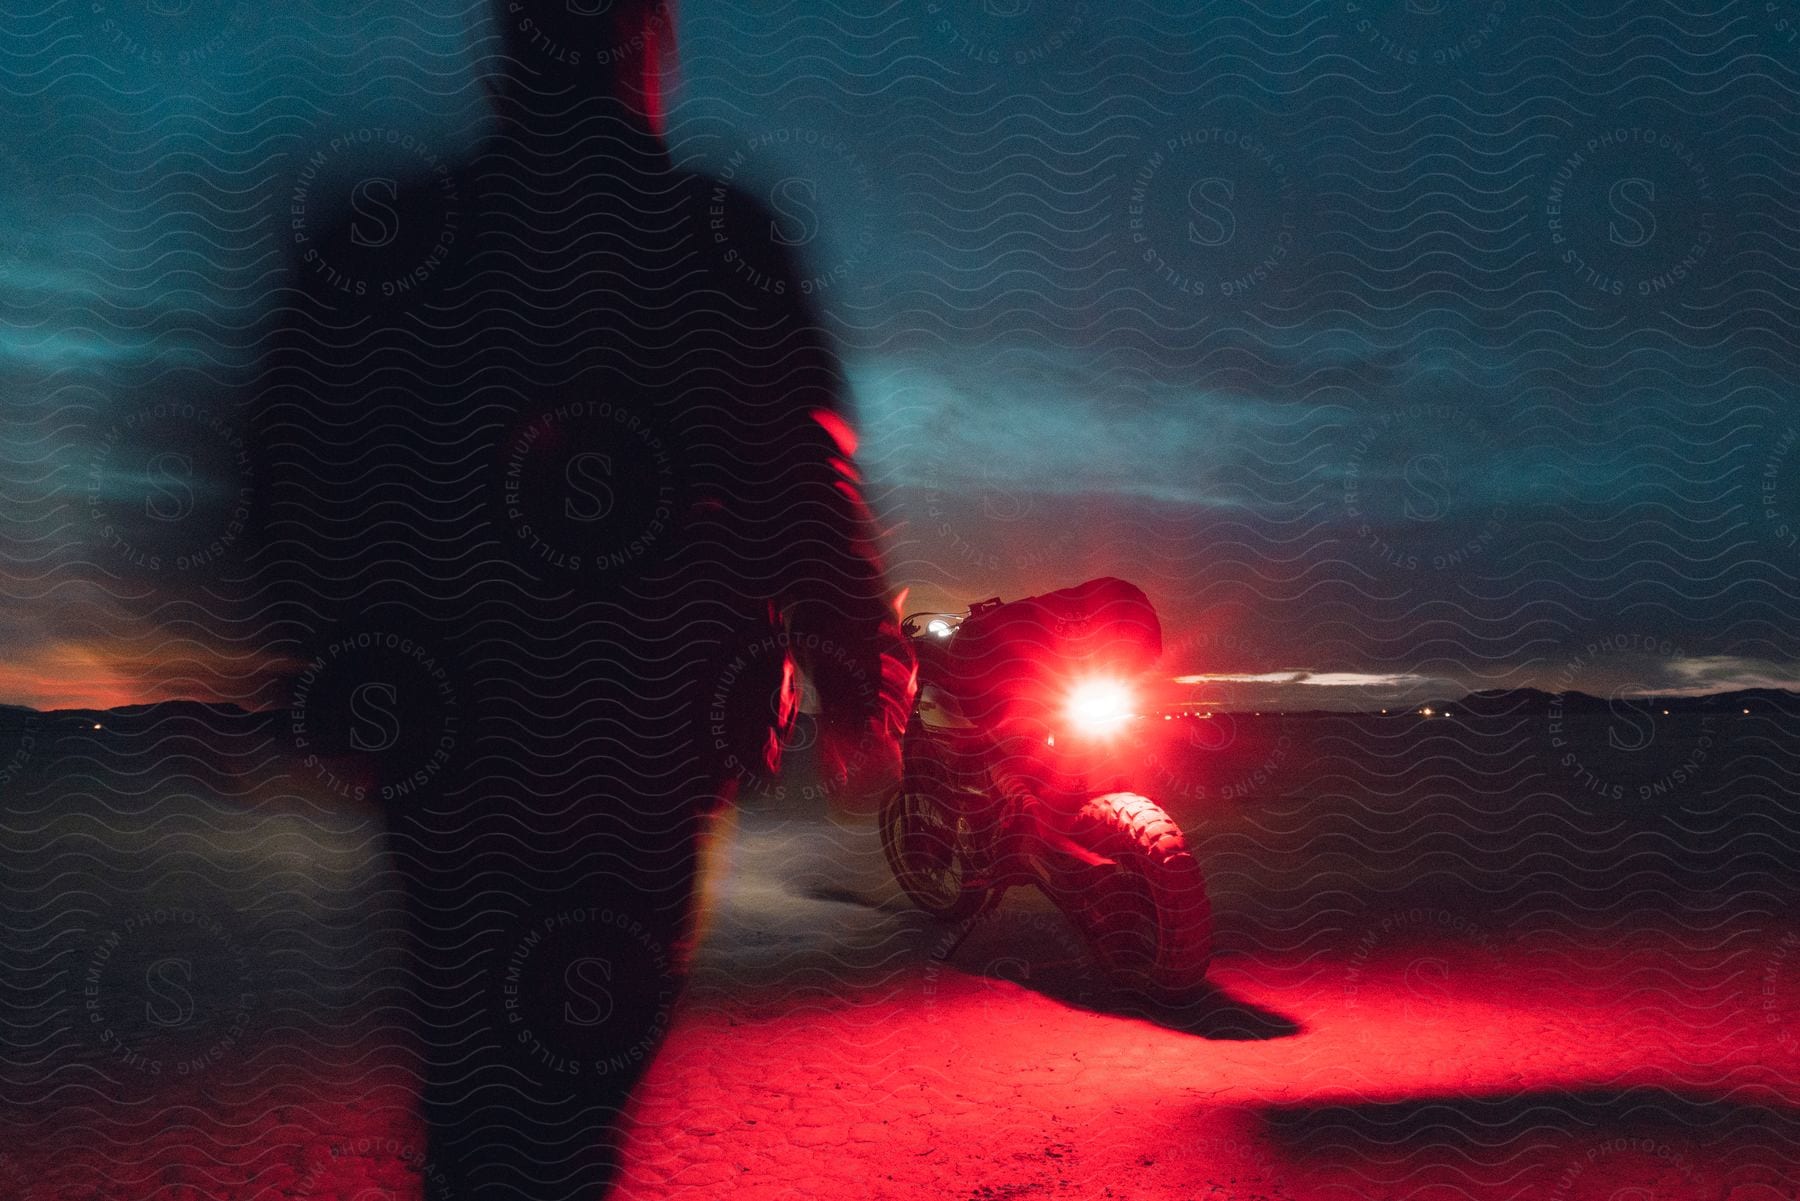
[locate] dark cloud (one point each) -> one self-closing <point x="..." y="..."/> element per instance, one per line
<point x="1431" y="345"/>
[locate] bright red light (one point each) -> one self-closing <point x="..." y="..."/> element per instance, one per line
<point x="1100" y="706"/>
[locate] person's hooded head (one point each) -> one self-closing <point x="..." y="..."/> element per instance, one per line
<point x="552" y="55"/>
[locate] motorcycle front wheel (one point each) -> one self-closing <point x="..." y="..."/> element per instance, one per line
<point x="924" y="835"/>
<point x="1147" y="916"/>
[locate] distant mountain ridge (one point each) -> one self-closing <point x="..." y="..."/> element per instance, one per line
<point x="1510" y="702"/>
<point x="14" y="717"/>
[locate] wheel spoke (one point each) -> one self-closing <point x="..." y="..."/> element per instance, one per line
<point x="931" y="848"/>
<point x="927" y="841"/>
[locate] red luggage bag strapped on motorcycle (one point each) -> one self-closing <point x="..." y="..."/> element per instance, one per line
<point x="1009" y="662"/>
<point x="1019" y="769"/>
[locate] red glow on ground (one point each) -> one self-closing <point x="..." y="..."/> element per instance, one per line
<point x="1439" y="1073"/>
<point x="1557" y="1068"/>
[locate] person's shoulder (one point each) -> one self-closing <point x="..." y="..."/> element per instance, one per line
<point x="749" y="251"/>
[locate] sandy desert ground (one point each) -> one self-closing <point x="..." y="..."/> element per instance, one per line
<point x="1453" y="963"/>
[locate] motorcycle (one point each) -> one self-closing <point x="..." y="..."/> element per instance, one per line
<point x="1017" y="770"/>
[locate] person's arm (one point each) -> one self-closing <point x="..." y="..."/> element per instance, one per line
<point x="843" y="620"/>
<point x="807" y="515"/>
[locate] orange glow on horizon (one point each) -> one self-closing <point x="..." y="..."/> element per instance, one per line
<point x="103" y="674"/>
<point x="67" y="676"/>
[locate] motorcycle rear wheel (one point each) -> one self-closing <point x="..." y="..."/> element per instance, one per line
<point x="924" y="836"/>
<point x="1147" y="917"/>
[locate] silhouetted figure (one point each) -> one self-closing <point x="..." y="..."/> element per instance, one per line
<point x="554" y="475"/>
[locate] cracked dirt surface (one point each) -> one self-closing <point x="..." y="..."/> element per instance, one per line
<point x="1425" y="991"/>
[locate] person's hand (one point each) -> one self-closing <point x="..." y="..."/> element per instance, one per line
<point x="859" y="765"/>
<point x="860" y="728"/>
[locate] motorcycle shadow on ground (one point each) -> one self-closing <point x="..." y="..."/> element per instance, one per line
<point x="1036" y="949"/>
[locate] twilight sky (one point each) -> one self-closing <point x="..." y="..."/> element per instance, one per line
<point x="1393" y="347"/>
